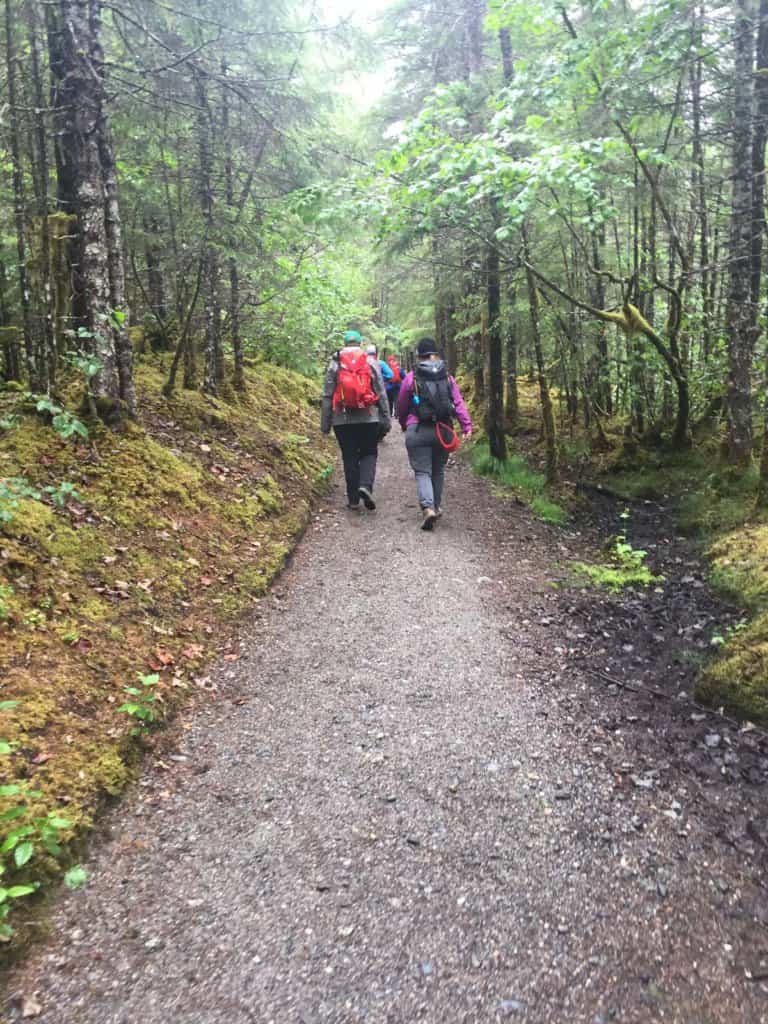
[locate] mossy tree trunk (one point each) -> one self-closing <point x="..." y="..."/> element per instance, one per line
<point x="11" y="349"/>
<point x="116" y="265"/>
<point x="36" y="381"/>
<point x="494" y="420"/>
<point x="740" y="318"/>
<point x="62" y="100"/>
<point x="48" y="349"/>
<point x="89" y="155"/>
<point x="761" y="128"/>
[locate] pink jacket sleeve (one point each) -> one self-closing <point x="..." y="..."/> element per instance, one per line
<point x="404" y="399"/>
<point x="462" y="413"/>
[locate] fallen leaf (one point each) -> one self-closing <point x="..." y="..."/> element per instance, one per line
<point x="41" y="758"/>
<point x="206" y="581"/>
<point x="163" y="656"/>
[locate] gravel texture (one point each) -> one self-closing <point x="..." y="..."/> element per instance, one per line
<point x="401" y="805"/>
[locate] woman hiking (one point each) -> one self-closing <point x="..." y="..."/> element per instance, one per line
<point x="355" y="404"/>
<point x="428" y="402"/>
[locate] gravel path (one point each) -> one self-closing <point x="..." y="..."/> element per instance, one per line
<point x="397" y="810"/>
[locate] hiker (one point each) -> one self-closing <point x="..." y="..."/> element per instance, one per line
<point x="386" y="375"/>
<point x="428" y="402"/>
<point x="393" y="386"/>
<point x="355" y="404"/>
<point x="386" y="372"/>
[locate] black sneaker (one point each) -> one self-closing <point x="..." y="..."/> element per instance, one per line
<point x="367" y="497"/>
<point x="353" y="506"/>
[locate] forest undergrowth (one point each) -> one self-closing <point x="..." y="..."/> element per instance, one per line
<point x="696" y="495"/>
<point x="125" y="561"/>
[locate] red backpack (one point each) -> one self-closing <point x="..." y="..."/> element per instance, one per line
<point x="397" y="373"/>
<point x="354" y="387"/>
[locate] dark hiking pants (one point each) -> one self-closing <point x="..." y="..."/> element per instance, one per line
<point x="359" y="447"/>
<point x="427" y="458"/>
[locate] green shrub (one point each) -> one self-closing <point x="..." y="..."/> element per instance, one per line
<point x="515" y="474"/>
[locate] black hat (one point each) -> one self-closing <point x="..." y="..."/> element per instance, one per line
<point x="426" y="347"/>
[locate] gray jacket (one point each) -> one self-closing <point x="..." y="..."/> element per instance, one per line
<point x="379" y="413"/>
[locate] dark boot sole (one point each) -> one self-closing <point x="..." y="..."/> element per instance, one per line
<point x="429" y="523"/>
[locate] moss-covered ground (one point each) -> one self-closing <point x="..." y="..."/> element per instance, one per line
<point x="179" y="524"/>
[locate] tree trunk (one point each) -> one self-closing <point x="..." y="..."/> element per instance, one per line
<point x="81" y="66"/>
<point x="210" y="261"/>
<point x="48" y="352"/>
<point x="8" y="334"/>
<point x="547" y="413"/>
<point x="36" y="382"/>
<point x="494" y="421"/>
<point x="758" y="170"/>
<point x="62" y="102"/>
<point x="740" y="317"/>
<point x="155" y="282"/>
<point x="507" y="64"/>
<point x="603" y="396"/>
<point x="238" y="377"/>
<point x="700" y="192"/>
<point x="115" y="260"/>
<point x="512" y="404"/>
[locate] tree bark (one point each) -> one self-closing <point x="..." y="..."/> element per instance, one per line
<point x="512" y="403"/>
<point x="119" y="311"/>
<point x="19" y="206"/>
<point x="210" y="260"/>
<point x="155" y="282"/>
<point x="700" y="193"/>
<point x="739" y="316"/>
<point x="63" y="102"/>
<point x="81" y="66"/>
<point x="238" y="377"/>
<point x="494" y="420"/>
<point x="547" y="413"/>
<point x="48" y="352"/>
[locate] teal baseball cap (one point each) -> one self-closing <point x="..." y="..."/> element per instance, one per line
<point x="353" y="337"/>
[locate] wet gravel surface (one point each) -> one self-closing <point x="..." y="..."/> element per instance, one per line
<point x="409" y="800"/>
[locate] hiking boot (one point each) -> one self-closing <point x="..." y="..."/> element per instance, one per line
<point x="438" y="512"/>
<point x="428" y="523"/>
<point x="353" y="506"/>
<point x="367" y="497"/>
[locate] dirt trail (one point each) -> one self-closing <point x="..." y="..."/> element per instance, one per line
<point x="399" y="810"/>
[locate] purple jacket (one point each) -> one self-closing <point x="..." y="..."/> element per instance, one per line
<point x="407" y="417"/>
